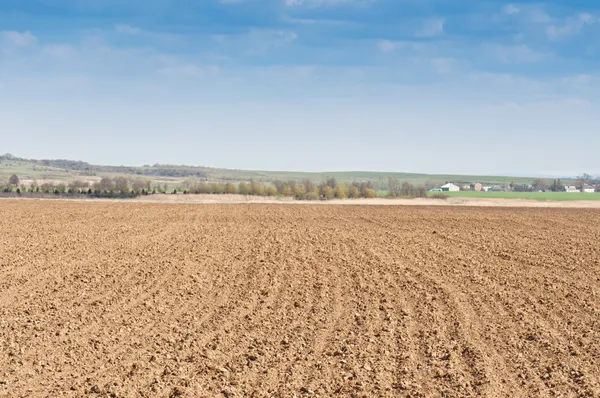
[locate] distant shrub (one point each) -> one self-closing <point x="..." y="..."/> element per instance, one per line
<point x="257" y="188"/>
<point x="244" y="188"/>
<point x="421" y="192"/>
<point x="217" y="188"/>
<point x="341" y="191"/>
<point x="327" y="192"/>
<point x="271" y="190"/>
<point x="439" y="195"/>
<point x="203" y="188"/>
<point x="312" y="196"/>
<point x="354" y="192"/>
<point x="230" y="188"/>
<point x="299" y="192"/>
<point x="370" y="193"/>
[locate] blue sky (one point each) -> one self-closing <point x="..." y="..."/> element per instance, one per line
<point x="393" y="85"/>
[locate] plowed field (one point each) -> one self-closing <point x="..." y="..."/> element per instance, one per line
<point x="125" y="299"/>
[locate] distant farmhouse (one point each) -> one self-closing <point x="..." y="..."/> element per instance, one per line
<point x="588" y="189"/>
<point x="450" y="187"/>
<point x="570" y="188"/>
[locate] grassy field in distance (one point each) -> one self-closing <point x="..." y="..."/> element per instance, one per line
<point x="541" y="196"/>
<point x="29" y="170"/>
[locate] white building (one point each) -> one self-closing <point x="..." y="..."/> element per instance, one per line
<point x="571" y="188"/>
<point x="450" y="188"/>
<point x="588" y="189"/>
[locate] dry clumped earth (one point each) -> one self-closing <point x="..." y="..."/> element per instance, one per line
<point x="130" y="299"/>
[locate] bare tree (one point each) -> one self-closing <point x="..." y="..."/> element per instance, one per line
<point x="122" y="185"/>
<point x="105" y="184"/>
<point x="394" y="187"/>
<point x="541" y="184"/>
<point x="14" y="180"/>
<point x="584" y="179"/>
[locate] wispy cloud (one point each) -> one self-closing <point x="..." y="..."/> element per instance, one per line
<point x="189" y="71"/>
<point x="443" y="66"/>
<point x="539" y="16"/>
<point x="431" y="27"/>
<point x="515" y="54"/>
<point x="572" y="25"/>
<point x="11" y="38"/>
<point x="260" y="41"/>
<point x="316" y="3"/>
<point x="418" y="47"/>
<point x="128" y="29"/>
<point x="578" y="80"/>
<point x="387" y="46"/>
<point x="511" y="9"/>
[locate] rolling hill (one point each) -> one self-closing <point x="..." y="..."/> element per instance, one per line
<point x="66" y="170"/>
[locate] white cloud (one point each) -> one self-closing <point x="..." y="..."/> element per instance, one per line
<point x="538" y="15"/>
<point x="128" y="29"/>
<point x="387" y="46"/>
<point x="315" y="3"/>
<point x="314" y="21"/>
<point x="421" y="48"/>
<point x="261" y="41"/>
<point x="572" y="25"/>
<point x="443" y="66"/>
<point x="515" y="54"/>
<point x="11" y="38"/>
<point x="431" y="27"/>
<point x="59" y="51"/>
<point x="256" y="41"/>
<point x="578" y="80"/>
<point x="190" y="71"/>
<point x="511" y="9"/>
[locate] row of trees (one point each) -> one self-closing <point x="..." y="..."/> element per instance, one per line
<point x="399" y="189"/>
<point x="106" y="187"/>
<point x="303" y="190"/>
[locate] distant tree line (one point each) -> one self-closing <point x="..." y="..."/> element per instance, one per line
<point x="303" y="190"/>
<point x="122" y="187"/>
<point x="307" y="189"/>
<point x="85" y="168"/>
<point x="119" y="187"/>
<point x="398" y="189"/>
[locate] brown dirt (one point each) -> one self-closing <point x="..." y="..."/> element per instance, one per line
<point x="130" y="299"/>
<point x="453" y="202"/>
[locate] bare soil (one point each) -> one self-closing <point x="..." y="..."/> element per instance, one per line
<point x="141" y="300"/>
